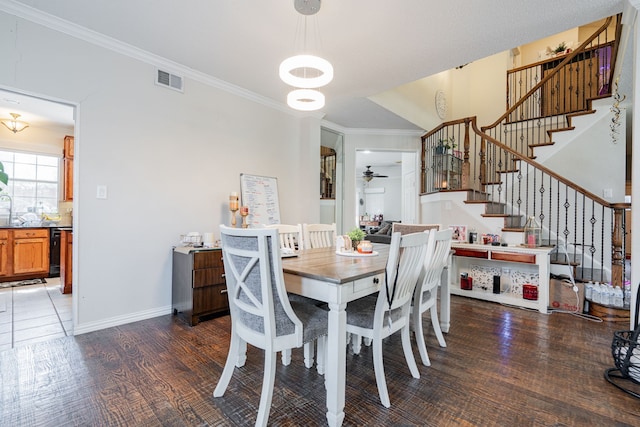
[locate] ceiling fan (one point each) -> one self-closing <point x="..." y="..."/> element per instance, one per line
<point x="368" y="174"/>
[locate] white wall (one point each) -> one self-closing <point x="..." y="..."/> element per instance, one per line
<point x="169" y="161"/>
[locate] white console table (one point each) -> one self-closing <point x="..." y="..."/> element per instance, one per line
<point x="515" y="258"/>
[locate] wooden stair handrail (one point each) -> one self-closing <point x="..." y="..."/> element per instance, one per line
<point x="546" y="78"/>
<point x="548" y="171"/>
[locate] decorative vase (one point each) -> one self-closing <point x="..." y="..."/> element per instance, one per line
<point x="354" y="244"/>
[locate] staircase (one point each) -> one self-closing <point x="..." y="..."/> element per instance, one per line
<point x="513" y="168"/>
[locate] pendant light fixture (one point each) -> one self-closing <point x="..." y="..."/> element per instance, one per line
<point x="306" y="72"/>
<point x="13" y="124"/>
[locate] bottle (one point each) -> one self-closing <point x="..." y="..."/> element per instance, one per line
<point x="618" y="297"/>
<point x="627" y="295"/>
<point x="595" y="294"/>
<point x="532" y="232"/>
<point x="588" y="290"/>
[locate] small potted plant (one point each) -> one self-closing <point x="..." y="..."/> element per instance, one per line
<point x="356" y="235"/>
<point x="445" y="144"/>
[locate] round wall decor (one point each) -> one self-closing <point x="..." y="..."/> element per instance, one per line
<point x="441" y="104"/>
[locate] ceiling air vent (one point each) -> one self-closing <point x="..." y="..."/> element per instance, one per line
<point x="169" y="80"/>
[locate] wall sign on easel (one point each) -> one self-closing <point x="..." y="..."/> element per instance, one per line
<point x="260" y="194"/>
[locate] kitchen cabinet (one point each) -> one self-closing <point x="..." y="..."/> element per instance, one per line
<point x="24" y="253"/>
<point x="514" y="264"/>
<point x="68" y="168"/>
<point x="66" y="255"/>
<point x="31" y="251"/>
<point x="198" y="287"/>
<point x="4" y="253"/>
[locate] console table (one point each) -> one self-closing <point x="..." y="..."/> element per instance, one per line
<point x="517" y="259"/>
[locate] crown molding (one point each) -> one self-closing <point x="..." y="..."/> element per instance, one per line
<point x="366" y="131"/>
<point x="36" y="16"/>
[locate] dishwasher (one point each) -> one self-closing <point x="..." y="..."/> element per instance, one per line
<point x="54" y="251"/>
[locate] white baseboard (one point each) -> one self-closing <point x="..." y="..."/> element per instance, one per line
<point x="120" y="320"/>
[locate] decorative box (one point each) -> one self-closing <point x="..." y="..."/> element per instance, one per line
<point x="530" y="292"/>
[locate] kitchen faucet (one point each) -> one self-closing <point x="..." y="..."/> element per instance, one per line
<point x="5" y="196"/>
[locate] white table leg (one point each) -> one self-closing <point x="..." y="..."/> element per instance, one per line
<point x="445" y="298"/>
<point x="335" y="370"/>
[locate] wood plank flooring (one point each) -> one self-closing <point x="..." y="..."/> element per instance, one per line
<point x="502" y="366"/>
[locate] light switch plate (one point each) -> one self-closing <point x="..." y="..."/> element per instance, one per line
<point x="101" y="192"/>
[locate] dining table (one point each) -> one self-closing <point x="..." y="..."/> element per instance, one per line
<point x="337" y="279"/>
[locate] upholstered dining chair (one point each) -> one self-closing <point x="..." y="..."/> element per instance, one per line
<point x="290" y="237"/>
<point x="426" y="293"/>
<point x="319" y="235"/>
<point x="404" y="228"/>
<point x="379" y="316"/>
<point x="261" y="313"/>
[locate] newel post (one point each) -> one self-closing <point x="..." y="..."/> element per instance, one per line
<point x="617" y="246"/>
<point x="483" y="163"/>
<point x="423" y="167"/>
<point x="466" y="166"/>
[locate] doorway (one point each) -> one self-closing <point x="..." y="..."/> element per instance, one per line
<point x="386" y="185"/>
<point x="39" y="311"/>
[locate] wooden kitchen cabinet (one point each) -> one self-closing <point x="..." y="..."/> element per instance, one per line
<point x="68" y="168"/>
<point x="66" y="260"/>
<point x="30" y="251"/>
<point x="198" y="287"/>
<point x="4" y="253"/>
<point x="24" y="253"/>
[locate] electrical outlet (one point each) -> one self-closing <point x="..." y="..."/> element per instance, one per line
<point x="101" y="192"/>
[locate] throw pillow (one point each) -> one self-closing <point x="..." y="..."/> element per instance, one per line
<point x="385" y="229"/>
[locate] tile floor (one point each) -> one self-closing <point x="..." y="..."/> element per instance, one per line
<point x="34" y="313"/>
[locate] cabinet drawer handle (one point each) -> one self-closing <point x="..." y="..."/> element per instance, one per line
<point x="223" y="291"/>
<point x="376" y="280"/>
<point x="223" y="275"/>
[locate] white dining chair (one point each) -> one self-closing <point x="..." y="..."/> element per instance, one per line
<point x="261" y="313"/>
<point x="426" y="293"/>
<point x="377" y="317"/>
<point x="290" y="237"/>
<point x="319" y="235"/>
<point x="402" y="228"/>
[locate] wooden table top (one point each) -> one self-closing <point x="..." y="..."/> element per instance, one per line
<point x="324" y="264"/>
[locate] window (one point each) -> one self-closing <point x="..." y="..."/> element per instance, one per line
<point x="33" y="183"/>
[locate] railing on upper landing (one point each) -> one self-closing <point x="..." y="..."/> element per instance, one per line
<point x="496" y="161"/>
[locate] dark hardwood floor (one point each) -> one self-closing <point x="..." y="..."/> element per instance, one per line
<point x="502" y="366"/>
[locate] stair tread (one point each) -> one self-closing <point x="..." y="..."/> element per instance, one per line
<point x="550" y="131"/>
<point x="499" y="215"/>
<point x="541" y="144"/>
<point x="510" y="170"/>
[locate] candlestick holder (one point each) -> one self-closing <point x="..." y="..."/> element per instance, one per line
<point x="233" y="207"/>
<point x="233" y="215"/>
<point x="244" y="212"/>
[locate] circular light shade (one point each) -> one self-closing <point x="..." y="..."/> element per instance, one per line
<point x="305" y="99"/>
<point x="321" y="69"/>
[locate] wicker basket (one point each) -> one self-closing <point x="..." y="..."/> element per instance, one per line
<point x="625" y="349"/>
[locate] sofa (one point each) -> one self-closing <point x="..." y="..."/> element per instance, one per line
<point x="382" y="234"/>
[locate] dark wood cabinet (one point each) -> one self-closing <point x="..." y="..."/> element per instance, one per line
<point x="198" y="287"/>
